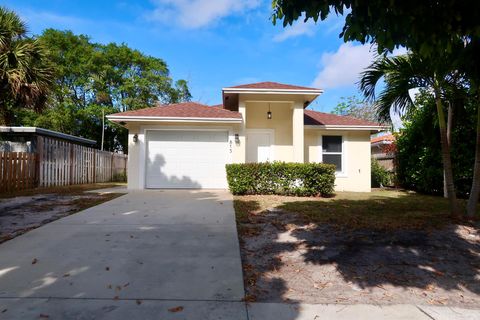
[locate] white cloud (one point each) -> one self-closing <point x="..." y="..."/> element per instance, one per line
<point x="298" y="29"/>
<point x="193" y="14"/>
<point x="343" y="67"/>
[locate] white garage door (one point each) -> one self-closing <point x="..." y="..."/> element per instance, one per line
<point x="186" y="159"/>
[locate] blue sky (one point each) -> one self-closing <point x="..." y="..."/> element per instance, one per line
<point x="215" y="43"/>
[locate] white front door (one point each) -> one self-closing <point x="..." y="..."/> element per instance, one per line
<point x="259" y="145"/>
<point x="186" y="159"/>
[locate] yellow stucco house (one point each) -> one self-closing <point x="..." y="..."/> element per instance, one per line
<point x="187" y="145"/>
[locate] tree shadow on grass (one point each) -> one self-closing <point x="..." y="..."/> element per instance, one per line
<point x="401" y="243"/>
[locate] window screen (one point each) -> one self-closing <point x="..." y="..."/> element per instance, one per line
<point x="332" y="151"/>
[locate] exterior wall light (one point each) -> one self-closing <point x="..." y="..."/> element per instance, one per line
<point x="269" y="113"/>
<point x="237" y="139"/>
<point x="135" y="138"/>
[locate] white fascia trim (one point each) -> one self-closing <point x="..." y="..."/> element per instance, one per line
<point x="346" y="127"/>
<point x="173" y="119"/>
<point x="273" y="91"/>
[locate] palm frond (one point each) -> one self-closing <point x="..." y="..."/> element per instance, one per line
<point x="399" y="74"/>
<point x="25" y="73"/>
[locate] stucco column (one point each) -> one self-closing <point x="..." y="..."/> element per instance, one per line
<point x="133" y="165"/>
<point x="241" y="149"/>
<point x="298" y="132"/>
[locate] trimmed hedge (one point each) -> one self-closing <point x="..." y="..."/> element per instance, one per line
<point x="298" y="179"/>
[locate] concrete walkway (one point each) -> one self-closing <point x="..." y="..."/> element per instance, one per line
<point x="134" y="257"/>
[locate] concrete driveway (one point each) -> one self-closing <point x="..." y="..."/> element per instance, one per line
<point x="152" y="254"/>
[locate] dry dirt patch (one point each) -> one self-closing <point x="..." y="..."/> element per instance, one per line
<point x="34" y="208"/>
<point x="315" y="252"/>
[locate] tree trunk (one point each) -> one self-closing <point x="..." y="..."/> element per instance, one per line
<point x="447" y="161"/>
<point x="475" y="190"/>
<point x="449" y="139"/>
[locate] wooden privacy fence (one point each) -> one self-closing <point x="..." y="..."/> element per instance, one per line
<point x="59" y="163"/>
<point x="387" y="161"/>
<point x="17" y="171"/>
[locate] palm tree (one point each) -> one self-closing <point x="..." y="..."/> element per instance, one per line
<point x="471" y="66"/>
<point x="402" y="73"/>
<point x="25" y="74"/>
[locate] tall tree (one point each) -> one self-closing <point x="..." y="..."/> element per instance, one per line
<point x="26" y="75"/>
<point x="95" y="79"/>
<point x="471" y="67"/>
<point x="430" y="29"/>
<point x="406" y="72"/>
<point x="357" y="108"/>
<point x="419" y="161"/>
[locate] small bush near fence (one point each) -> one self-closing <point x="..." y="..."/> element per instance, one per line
<point x="119" y="177"/>
<point x="299" y="179"/>
<point x="380" y="176"/>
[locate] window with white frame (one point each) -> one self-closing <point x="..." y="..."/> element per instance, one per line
<point x="332" y="151"/>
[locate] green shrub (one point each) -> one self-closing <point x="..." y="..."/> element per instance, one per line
<point x="298" y="179"/>
<point x="119" y="177"/>
<point x="419" y="160"/>
<point x="380" y="176"/>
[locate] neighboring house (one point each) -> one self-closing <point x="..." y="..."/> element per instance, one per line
<point x="383" y="149"/>
<point x="26" y="139"/>
<point x="187" y="145"/>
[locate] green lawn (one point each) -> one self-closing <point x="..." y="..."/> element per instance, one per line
<point x="379" y="209"/>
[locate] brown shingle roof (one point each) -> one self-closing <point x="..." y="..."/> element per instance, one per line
<point x="271" y="85"/>
<point x="313" y="118"/>
<point x="182" y="110"/>
<point x="198" y="110"/>
<point x="387" y="137"/>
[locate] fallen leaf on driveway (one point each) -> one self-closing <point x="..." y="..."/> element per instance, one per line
<point x="439" y="273"/>
<point x="66" y="275"/>
<point x="176" y="309"/>
<point x="250" y="298"/>
<point x="139" y="302"/>
<point x="34" y="260"/>
<point x="44" y="316"/>
<point x="107" y="268"/>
